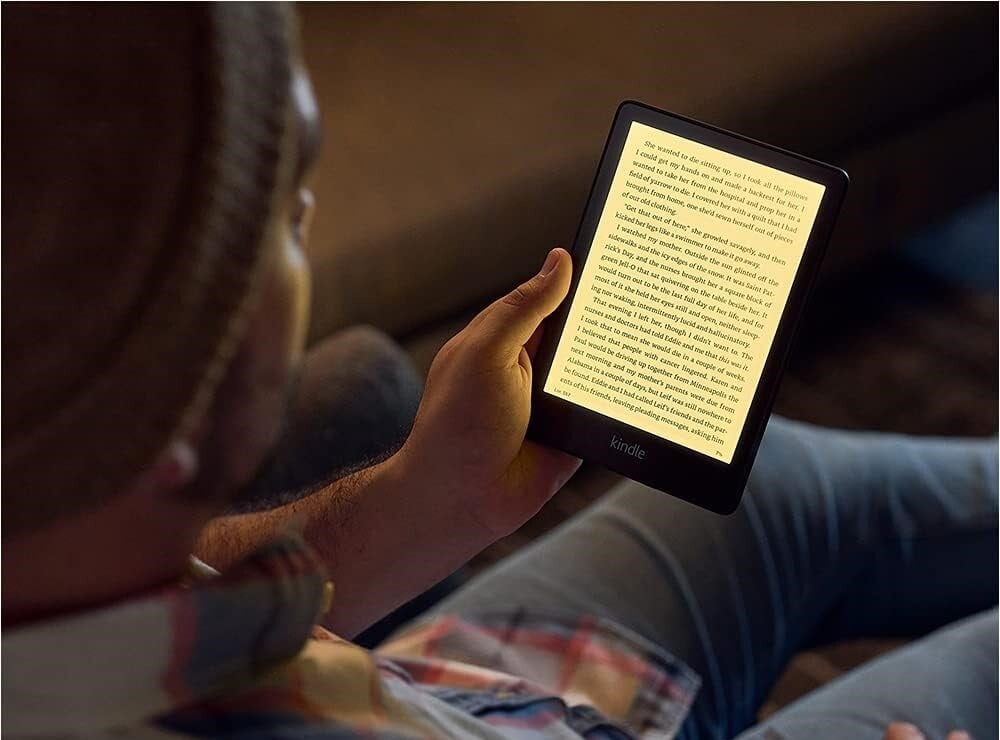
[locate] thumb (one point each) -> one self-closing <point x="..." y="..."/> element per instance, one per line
<point x="511" y="320"/>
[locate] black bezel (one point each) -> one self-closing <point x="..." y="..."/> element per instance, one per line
<point x="668" y="466"/>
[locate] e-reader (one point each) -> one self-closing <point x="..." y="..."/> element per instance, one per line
<point x="691" y="266"/>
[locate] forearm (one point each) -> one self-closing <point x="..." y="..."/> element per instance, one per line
<point x="378" y="532"/>
<point x="464" y="477"/>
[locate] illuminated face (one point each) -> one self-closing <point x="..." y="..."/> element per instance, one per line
<point x="296" y="219"/>
<point x="253" y="401"/>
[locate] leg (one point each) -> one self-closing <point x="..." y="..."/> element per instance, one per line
<point x="826" y="544"/>
<point x="355" y="402"/>
<point x="944" y="682"/>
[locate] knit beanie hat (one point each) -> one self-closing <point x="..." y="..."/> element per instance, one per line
<point x="145" y="147"/>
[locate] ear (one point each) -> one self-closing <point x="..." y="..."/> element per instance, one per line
<point x="174" y="469"/>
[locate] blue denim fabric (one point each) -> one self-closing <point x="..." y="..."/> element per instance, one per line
<point x="840" y="535"/>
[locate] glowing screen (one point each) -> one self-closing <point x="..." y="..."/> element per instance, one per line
<point x="694" y="256"/>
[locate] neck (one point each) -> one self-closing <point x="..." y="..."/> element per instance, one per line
<point x="93" y="560"/>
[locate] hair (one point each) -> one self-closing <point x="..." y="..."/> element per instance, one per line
<point x="144" y="149"/>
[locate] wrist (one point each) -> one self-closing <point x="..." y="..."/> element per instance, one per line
<point x="441" y="495"/>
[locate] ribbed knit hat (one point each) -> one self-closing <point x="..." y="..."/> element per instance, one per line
<point x="145" y="147"/>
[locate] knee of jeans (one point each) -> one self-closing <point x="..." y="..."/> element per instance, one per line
<point x="784" y="444"/>
<point x="361" y="357"/>
<point x="365" y="341"/>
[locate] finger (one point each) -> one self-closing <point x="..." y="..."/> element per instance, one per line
<point x="510" y="321"/>
<point x="545" y="470"/>
<point x="959" y="735"/>
<point x="481" y="316"/>
<point x="903" y="731"/>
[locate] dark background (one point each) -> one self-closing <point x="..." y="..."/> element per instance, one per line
<point x="461" y="142"/>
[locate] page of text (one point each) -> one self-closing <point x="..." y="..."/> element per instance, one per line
<point x="691" y="264"/>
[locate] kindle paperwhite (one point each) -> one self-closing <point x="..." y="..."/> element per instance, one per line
<point x="692" y="263"/>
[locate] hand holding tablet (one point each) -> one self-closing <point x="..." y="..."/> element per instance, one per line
<point x="692" y="263"/>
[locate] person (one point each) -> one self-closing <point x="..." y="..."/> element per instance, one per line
<point x="155" y="303"/>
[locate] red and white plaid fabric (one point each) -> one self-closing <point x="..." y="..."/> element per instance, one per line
<point x="231" y="656"/>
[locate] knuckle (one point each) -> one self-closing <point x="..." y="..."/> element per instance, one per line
<point x="447" y="351"/>
<point x="450" y="347"/>
<point x="520" y="296"/>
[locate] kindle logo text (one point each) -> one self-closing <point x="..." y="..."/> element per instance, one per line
<point x="617" y="443"/>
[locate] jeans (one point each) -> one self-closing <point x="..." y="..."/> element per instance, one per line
<point x="839" y="535"/>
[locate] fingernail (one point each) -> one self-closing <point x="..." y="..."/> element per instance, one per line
<point x="959" y="735"/>
<point x="550" y="262"/>
<point x="911" y="732"/>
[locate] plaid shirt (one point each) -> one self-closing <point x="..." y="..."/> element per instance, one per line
<point x="231" y="656"/>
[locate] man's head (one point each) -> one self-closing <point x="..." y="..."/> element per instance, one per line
<point x="155" y="293"/>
